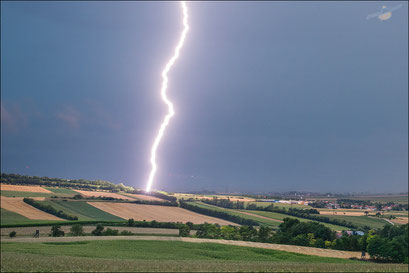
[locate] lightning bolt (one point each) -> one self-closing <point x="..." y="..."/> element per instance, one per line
<point x="165" y="99"/>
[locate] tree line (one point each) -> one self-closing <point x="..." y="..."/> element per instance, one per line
<point x="218" y="214"/>
<point x="156" y="194"/>
<point x="156" y="203"/>
<point x="389" y="244"/>
<point x="49" y="209"/>
<point x="224" y="203"/>
<point x="17" y="179"/>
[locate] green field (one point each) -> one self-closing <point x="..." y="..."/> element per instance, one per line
<point x="280" y="205"/>
<point x="272" y="215"/>
<point x="361" y="221"/>
<point x="120" y="255"/>
<point x="28" y="194"/>
<point x="401" y="199"/>
<point x="12" y="218"/>
<point x="84" y="211"/>
<point x="272" y="224"/>
<point x="62" y="190"/>
<point x="279" y="216"/>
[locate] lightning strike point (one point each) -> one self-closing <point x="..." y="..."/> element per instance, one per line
<point x="165" y="99"/>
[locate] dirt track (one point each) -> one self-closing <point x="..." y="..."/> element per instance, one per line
<point x="289" y="248"/>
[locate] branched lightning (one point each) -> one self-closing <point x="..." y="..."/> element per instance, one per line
<point x="171" y="112"/>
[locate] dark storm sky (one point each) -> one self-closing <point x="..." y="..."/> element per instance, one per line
<point x="269" y="96"/>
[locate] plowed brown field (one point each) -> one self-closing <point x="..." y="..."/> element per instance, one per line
<point x="157" y="213"/>
<point x="400" y="220"/>
<point x="17" y="205"/>
<point x="103" y="194"/>
<point x="5" y="187"/>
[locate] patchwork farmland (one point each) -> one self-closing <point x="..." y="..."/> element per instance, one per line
<point x="157" y="218"/>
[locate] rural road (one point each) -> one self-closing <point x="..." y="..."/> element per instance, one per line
<point x="289" y="248"/>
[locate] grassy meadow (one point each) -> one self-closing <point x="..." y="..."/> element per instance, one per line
<point x="361" y="221"/>
<point x="118" y="255"/>
<point x="279" y="216"/>
<point x="62" y="190"/>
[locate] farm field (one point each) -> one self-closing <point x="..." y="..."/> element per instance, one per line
<point x="29" y="194"/>
<point x="280" y="205"/>
<point x="33" y="194"/>
<point x="103" y="194"/>
<point x="143" y="197"/>
<point x="271" y="219"/>
<point x="12" y="218"/>
<point x="359" y="212"/>
<point x="279" y="216"/>
<point x="261" y="220"/>
<point x="83" y="210"/>
<point x="6" y="187"/>
<point x="199" y="196"/>
<point x="400" y="220"/>
<point x="158" y="213"/>
<point x="401" y="198"/>
<point x="361" y="221"/>
<point x="62" y="190"/>
<point x="120" y="255"/>
<point x="16" y="205"/>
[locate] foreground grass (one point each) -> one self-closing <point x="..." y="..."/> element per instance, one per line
<point x="168" y="256"/>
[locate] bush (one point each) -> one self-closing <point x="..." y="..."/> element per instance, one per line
<point x="77" y="196"/>
<point x="110" y="232"/>
<point x="131" y="222"/>
<point x="126" y="233"/>
<point x="77" y="230"/>
<point x="184" y="231"/>
<point x="389" y="244"/>
<point x="12" y="234"/>
<point x="56" y="231"/>
<point x="98" y="230"/>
